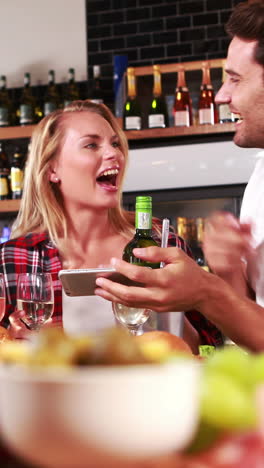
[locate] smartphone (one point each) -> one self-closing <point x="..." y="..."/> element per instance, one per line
<point x="82" y="282"/>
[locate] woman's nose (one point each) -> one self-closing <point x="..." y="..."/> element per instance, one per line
<point x="110" y="152"/>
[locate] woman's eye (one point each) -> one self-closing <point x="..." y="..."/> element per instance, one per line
<point x="116" y="144"/>
<point x="91" y="145"/>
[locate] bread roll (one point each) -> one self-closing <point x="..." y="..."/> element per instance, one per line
<point x="174" y="342"/>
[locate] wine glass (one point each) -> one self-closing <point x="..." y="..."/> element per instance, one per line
<point x="131" y="317"/>
<point x="35" y="296"/>
<point x="2" y="296"/>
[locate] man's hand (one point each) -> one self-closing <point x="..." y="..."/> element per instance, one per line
<point x="226" y="241"/>
<point x="180" y="285"/>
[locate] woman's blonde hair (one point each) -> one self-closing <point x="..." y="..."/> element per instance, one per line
<point x="41" y="206"/>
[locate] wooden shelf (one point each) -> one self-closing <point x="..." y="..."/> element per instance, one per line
<point x="9" y="133"/>
<point x="171" y="132"/>
<point x="9" y="206"/>
<point x="12" y="133"/>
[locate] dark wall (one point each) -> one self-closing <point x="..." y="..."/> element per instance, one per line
<point x="155" y="31"/>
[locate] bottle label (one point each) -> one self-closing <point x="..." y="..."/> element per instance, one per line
<point x="206" y="116"/>
<point x="4" y="116"/>
<point x="49" y="107"/>
<point x="224" y="113"/>
<point x="143" y="220"/>
<point x="182" y="118"/>
<point x="97" y="101"/>
<point x="156" y="120"/>
<point x="26" y="114"/>
<point x="3" y="186"/>
<point x="132" y="123"/>
<point x="16" y="179"/>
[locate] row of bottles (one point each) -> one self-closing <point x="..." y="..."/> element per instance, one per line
<point x="191" y="230"/>
<point x="11" y="173"/>
<point x="157" y="112"/>
<point x="30" y="110"/>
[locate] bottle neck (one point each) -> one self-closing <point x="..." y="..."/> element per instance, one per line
<point x="131" y="85"/>
<point x="143" y="221"/>
<point x="206" y="81"/>
<point x="157" y="91"/>
<point x="181" y="83"/>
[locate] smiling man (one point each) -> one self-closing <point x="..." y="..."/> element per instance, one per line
<point x="233" y="300"/>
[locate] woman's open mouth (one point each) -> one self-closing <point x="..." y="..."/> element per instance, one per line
<point x="108" y="179"/>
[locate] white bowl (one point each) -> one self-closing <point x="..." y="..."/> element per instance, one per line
<point x="83" y="418"/>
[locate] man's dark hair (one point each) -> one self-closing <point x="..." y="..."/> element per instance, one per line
<point x="247" y="22"/>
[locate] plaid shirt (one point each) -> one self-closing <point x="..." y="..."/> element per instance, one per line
<point x="36" y="253"/>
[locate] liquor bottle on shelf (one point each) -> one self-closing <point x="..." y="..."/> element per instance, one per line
<point x="191" y="230"/>
<point x="52" y="98"/>
<point x="96" y="93"/>
<point x="17" y="174"/>
<point x="132" y="317"/>
<point x="72" y="91"/>
<point x="27" y="107"/>
<point x="132" y="116"/>
<point x="4" y="174"/>
<point x="5" y="104"/>
<point x="207" y="107"/>
<point x="182" y="104"/>
<point x="158" y="113"/>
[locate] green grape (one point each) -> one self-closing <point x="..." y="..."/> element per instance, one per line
<point x="225" y="404"/>
<point x="232" y="362"/>
<point x="204" y="438"/>
<point x="257" y="369"/>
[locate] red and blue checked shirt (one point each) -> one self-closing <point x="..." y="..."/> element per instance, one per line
<point x="36" y="253"/>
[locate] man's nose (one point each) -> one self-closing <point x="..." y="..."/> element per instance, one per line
<point x="223" y="95"/>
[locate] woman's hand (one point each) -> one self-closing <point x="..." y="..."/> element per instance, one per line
<point x="179" y="286"/>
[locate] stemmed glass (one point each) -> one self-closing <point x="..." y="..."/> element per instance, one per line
<point x="35" y="296"/>
<point x="131" y="317"/>
<point x="2" y="296"/>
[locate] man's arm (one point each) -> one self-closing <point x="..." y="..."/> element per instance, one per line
<point x="183" y="285"/>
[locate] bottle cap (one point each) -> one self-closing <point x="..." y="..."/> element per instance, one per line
<point x="143" y="203"/>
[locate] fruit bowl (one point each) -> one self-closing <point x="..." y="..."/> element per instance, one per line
<point x="99" y="416"/>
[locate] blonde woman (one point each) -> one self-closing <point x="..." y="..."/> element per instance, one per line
<point x="71" y="214"/>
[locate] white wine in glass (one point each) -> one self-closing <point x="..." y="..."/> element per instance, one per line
<point x="2" y="296"/>
<point x="130" y="317"/>
<point x="35" y="297"/>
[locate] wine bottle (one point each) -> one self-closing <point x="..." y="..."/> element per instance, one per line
<point x="158" y="114"/>
<point x="52" y="98"/>
<point x="143" y="236"/>
<point x="182" y="104"/>
<point x="27" y="107"/>
<point x="133" y="317"/>
<point x="72" y="91"/>
<point x="207" y="108"/>
<point x="191" y="230"/>
<point x="5" y="104"/>
<point x="4" y="174"/>
<point x="96" y="93"/>
<point x="17" y="174"/>
<point x="132" y="116"/>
